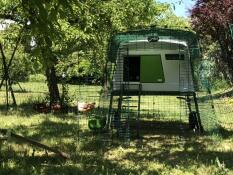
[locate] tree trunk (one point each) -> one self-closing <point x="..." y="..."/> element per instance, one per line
<point x="52" y="85"/>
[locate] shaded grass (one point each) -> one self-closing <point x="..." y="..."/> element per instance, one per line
<point x="160" y="151"/>
<point x="167" y="146"/>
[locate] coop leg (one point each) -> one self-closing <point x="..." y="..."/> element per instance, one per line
<point x="188" y="101"/>
<point x="118" y="115"/>
<point x="138" y="122"/>
<point x="139" y="108"/>
<point x="109" y="112"/>
<point x="200" y="127"/>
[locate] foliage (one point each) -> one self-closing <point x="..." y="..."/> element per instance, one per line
<point x="37" y="78"/>
<point x="39" y="19"/>
<point x="73" y="35"/>
<point x="211" y="20"/>
<point x="169" y="20"/>
<point x="219" y="77"/>
<point x="91" y="28"/>
<point x="20" y="69"/>
<point x="23" y="64"/>
<point x="101" y="20"/>
<point x="61" y="28"/>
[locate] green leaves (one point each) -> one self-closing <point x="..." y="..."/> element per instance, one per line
<point x="62" y="28"/>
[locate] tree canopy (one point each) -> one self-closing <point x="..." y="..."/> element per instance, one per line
<point x="71" y="36"/>
<point x="211" y="19"/>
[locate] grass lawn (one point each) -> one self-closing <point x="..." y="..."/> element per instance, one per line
<point x="163" y="150"/>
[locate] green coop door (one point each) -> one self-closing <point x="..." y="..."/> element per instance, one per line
<point x="151" y="69"/>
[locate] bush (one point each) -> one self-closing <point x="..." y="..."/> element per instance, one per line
<point x="221" y="84"/>
<point x="37" y="78"/>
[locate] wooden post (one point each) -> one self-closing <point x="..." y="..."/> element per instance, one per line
<point x="35" y="143"/>
<point x="6" y="68"/>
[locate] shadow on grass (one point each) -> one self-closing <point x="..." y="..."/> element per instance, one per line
<point x="172" y="153"/>
<point x="48" y="129"/>
<point x="19" y="163"/>
<point x="226" y="93"/>
<point x="24" y="109"/>
<point x="169" y="143"/>
<point x="225" y="133"/>
<point x="166" y="128"/>
<point x="83" y="163"/>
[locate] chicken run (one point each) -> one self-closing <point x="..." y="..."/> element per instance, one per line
<point x="150" y="78"/>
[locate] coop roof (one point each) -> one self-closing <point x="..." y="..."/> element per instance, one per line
<point x="183" y="37"/>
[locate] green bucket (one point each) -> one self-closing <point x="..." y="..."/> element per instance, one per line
<point x="97" y="123"/>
